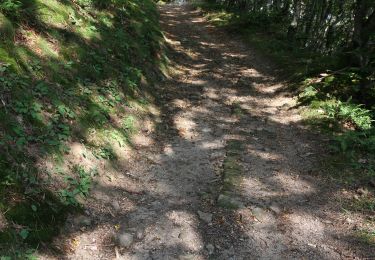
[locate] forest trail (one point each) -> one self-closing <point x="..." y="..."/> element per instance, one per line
<point x="232" y="174"/>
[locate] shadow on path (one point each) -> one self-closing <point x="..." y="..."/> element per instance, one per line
<point x="220" y="91"/>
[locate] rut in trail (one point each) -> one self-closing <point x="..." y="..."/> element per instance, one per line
<point x="230" y="177"/>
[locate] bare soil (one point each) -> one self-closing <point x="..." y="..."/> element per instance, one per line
<point x="180" y="197"/>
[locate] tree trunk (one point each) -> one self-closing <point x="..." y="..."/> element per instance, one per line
<point x="363" y="27"/>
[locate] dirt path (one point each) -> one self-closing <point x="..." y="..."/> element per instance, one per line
<point x="232" y="175"/>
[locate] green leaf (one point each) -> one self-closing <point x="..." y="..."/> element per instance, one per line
<point x="34" y="208"/>
<point x="24" y="233"/>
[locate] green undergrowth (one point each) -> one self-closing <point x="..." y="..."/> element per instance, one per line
<point x="71" y="72"/>
<point x="334" y="106"/>
<point x="339" y="99"/>
<point x="367" y="237"/>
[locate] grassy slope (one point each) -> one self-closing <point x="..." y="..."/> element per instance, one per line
<point x="71" y="73"/>
<point x="348" y="124"/>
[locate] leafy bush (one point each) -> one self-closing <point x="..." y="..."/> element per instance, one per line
<point x="326" y="94"/>
<point x="349" y="113"/>
<point x="352" y="141"/>
<point x="129" y="124"/>
<point x="101" y="4"/>
<point x="10" y="7"/>
<point x="77" y="187"/>
<point x="339" y="95"/>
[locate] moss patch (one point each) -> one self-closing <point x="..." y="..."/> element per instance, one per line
<point x="231" y="175"/>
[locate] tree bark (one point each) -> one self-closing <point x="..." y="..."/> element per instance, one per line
<point x="363" y="27"/>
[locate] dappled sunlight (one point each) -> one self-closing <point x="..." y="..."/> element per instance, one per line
<point x="276" y="186"/>
<point x="241" y="101"/>
<point x="172" y="42"/>
<point x="204" y="113"/>
<point x="211" y="45"/>
<point x="294" y="184"/>
<point x="189" y="238"/>
<point x="104" y="191"/>
<point x="185" y="126"/>
<point x="201" y="66"/>
<point x="208" y="164"/>
<point x="212" y="93"/>
<point x="40" y="46"/>
<point x="241" y="56"/>
<point x="212" y="145"/>
<point x="270" y="88"/>
<point x="180" y="103"/>
<point x="197" y="82"/>
<point x="61" y="13"/>
<point x="3" y="222"/>
<point x="168" y="150"/>
<point x="89" y="242"/>
<point x="252" y="186"/>
<point x="216" y="95"/>
<point x="264" y="155"/>
<point x="140" y="140"/>
<point x="252" y="73"/>
<point x="79" y="154"/>
<point x="70" y="108"/>
<point x="304" y="227"/>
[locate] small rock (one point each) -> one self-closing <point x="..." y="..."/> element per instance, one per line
<point x="187" y="257"/>
<point x="83" y="221"/>
<point x="87" y="222"/>
<point x="228" y="254"/>
<point x="246" y="216"/>
<point x="311" y="245"/>
<point x="116" y="205"/>
<point x="206" y="217"/>
<point x="275" y="208"/>
<point x="184" y="235"/>
<point x="156" y="204"/>
<point x="125" y="240"/>
<point x="349" y="220"/>
<point x="139" y="234"/>
<point x="362" y="192"/>
<point x="216" y="155"/>
<point x="210" y="248"/>
<point x="228" y="202"/>
<point x="363" y="161"/>
<point x="259" y="214"/>
<point x="285" y="106"/>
